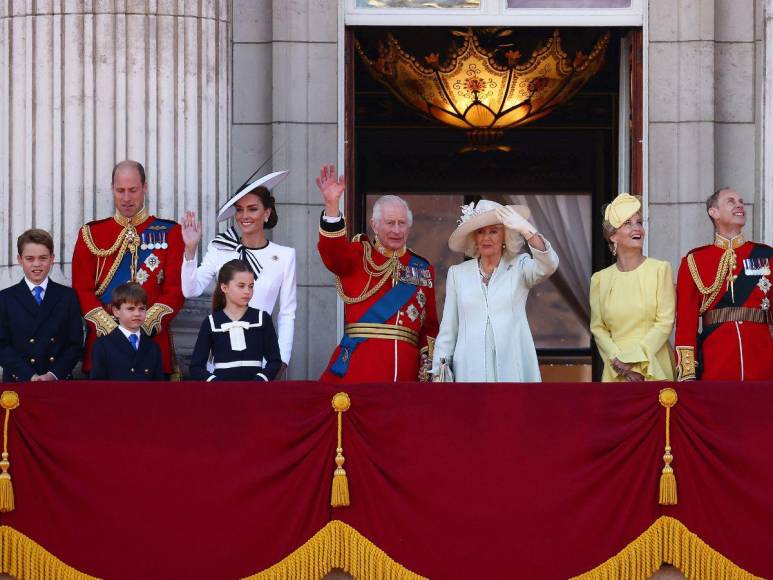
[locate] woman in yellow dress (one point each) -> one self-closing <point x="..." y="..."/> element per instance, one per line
<point x="633" y="302"/>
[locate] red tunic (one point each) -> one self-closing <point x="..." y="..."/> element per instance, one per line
<point x="732" y="350"/>
<point x="92" y="276"/>
<point x="378" y="359"/>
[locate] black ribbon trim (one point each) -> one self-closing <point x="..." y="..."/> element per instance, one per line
<point x="229" y="240"/>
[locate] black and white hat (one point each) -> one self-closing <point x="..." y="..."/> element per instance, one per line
<point x="268" y="181"/>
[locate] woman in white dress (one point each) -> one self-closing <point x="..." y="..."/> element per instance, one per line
<point x="484" y="335"/>
<point x="254" y="211"/>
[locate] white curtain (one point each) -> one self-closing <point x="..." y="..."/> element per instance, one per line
<point x="565" y="221"/>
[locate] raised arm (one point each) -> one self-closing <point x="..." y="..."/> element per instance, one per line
<point x="194" y="280"/>
<point x="339" y="255"/>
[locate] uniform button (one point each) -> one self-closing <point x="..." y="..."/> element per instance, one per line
<point x="32" y="360"/>
<point x="147" y="371"/>
<point x="53" y="339"/>
<point x="51" y="359"/>
<point x="32" y="340"/>
<point x="131" y="369"/>
<point x="740" y="322"/>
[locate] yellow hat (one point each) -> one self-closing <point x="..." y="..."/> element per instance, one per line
<point x="621" y="208"/>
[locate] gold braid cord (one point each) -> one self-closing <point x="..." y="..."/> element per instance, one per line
<point x="128" y="239"/>
<point x="384" y="272"/>
<point x="667" y="541"/>
<point x="101" y="320"/>
<point x="725" y="269"/>
<point x="156" y="312"/>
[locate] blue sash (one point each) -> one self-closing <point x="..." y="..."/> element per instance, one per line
<point x="158" y="228"/>
<point x="384" y="308"/>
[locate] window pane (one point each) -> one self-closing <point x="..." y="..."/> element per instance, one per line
<point x="418" y="4"/>
<point x="568" y="3"/>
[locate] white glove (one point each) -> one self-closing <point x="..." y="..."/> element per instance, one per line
<point x="512" y="220"/>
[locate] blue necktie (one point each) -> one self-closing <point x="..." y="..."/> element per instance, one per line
<point x="134" y="339"/>
<point x="38" y="292"/>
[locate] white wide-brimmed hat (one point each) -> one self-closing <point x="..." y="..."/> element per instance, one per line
<point x="479" y="216"/>
<point x="269" y="181"/>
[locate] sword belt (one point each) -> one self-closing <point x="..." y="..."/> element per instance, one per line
<point x="382" y="331"/>
<point x="737" y="314"/>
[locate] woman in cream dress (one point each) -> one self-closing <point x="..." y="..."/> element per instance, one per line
<point x="484" y="335"/>
<point x="632" y="302"/>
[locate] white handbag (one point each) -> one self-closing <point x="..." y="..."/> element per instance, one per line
<point x="444" y="373"/>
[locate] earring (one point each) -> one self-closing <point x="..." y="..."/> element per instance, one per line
<point x="265" y="220"/>
<point x="504" y="246"/>
<point x="614" y="248"/>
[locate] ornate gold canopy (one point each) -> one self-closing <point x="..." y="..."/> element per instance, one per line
<point x="471" y="90"/>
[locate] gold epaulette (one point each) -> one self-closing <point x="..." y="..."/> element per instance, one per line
<point x="102" y="321"/>
<point x="152" y="323"/>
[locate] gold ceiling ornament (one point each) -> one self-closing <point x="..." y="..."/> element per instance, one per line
<point x="472" y="91"/>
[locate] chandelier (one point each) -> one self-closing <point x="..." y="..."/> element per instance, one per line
<point x="475" y="90"/>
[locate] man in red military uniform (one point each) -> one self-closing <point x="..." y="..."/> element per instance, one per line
<point x="390" y="318"/>
<point x="727" y="286"/>
<point x="130" y="246"/>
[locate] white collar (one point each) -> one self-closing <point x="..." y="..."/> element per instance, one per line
<point x="128" y="333"/>
<point x="31" y="286"/>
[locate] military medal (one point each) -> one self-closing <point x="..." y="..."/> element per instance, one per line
<point x="157" y="245"/>
<point x="160" y="276"/>
<point x="756" y="267"/>
<point x="764" y="284"/>
<point x="412" y="312"/>
<point x="421" y="298"/>
<point x="152" y="262"/>
<point x="141" y="277"/>
<point x="144" y="244"/>
<point x="164" y="245"/>
<point x="765" y="304"/>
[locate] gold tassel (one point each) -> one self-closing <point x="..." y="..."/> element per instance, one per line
<point x="668" y="399"/>
<point x="9" y="400"/>
<point x="339" y="496"/>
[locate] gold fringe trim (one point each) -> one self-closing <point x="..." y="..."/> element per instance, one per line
<point x="25" y="559"/>
<point x="667" y="541"/>
<point x="337" y="545"/>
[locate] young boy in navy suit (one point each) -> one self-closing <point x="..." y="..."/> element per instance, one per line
<point x="127" y="353"/>
<point x="41" y="330"/>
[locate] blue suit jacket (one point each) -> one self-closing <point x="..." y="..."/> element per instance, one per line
<point x="37" y="339"/>
<point x="115" y="359"/>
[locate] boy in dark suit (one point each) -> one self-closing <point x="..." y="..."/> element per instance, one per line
<point x="127" y="353"/>
<point x="41" y="330"/>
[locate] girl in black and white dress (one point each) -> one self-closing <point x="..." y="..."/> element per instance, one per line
<point x="240" y="341"/>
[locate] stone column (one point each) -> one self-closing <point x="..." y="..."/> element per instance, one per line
<point x="681" y="100"/>
<point x="86" y="83"/>
<point x="764" y="34"/>
<point x="285" y="91"/>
